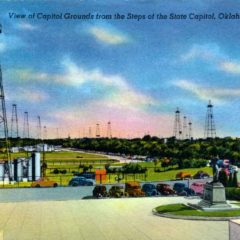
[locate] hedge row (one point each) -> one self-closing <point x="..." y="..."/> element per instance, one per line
<point x="233" y="193"/>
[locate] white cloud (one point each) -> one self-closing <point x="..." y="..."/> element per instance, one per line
<point x="29" y="95"/>
<point x="119" y="92"/>
<point x="203" y="51"/>
<point x="230" y="67"/>
<point x="108" y="36"/>
<point x="219" y="95"/>
<point x="211" y="53"/>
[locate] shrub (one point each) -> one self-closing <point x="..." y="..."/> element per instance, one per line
<point x="187" y="163"/>
<point x="230" y="180"/>
<point x="64" y="171"/>
<point x="56" y="171"/>
<point x="233" y="193"/>
<point x="235" y="180"/>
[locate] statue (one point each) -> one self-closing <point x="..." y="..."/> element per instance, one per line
<point x="216" y="169"/>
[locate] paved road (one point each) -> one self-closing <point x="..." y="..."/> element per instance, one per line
<point x="59" y="193"/>
<point x="118" y="158"/>
<point x="107" y="219"/>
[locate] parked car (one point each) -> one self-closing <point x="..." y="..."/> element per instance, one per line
<point x="150" y="189"/>
<point x="182" y="190"/>
<point x="44" y="182"/>
<point x="183" y="175"/>
<point x="165" y="189"/>
<point x="201" y="175"/>
<point x="198" y="187"/>
<point x="88" y="175"/>
<point x="80" y="181"/>
<point x="133" y="189"/>
<point x="116" y="191"/>
<point x="100" y="191"/>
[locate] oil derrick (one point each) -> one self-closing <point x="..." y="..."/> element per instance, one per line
<point x="98" y="130"/>
<point x="185" y="128"/>
<point x="45" y="133"/>
<point x="14" y="122"/>
<point x="26" y="126"/>
<point x="177" y="131"/>
<point x="4" y="132"/>
<point x="39" y="128"/>
<point x="57" y="132"/>
<point x="90" y="132"/>
<point x="210" y="130"/>
<point x="109" y="130"/>
<point x="190" y="130"/>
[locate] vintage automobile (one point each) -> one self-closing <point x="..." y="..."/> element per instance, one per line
<point x="165" y="189"/>
<point x="197" y="187"/>
<point x="133" y="189"/>
<point x="201" y="175"/>
<point x="80" y="181"/>
<point x="44" y="182"/>
<point x="88" y="175"/>
<point x="182" y="189"/>
<point x="150" y="189"/>
<point x="183" y="175"/>
<point x="100" y="191"/>
<point x="116" y="191"/>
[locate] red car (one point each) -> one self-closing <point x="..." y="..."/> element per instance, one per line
<point x="197" y="187"/>
<point x="165" y="189"/>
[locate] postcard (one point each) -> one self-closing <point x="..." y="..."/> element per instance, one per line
<point x="119" y="119"/>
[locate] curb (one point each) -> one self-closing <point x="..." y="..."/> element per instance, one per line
<point x="195" y="218"/>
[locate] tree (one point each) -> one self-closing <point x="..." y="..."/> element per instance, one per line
<point x="235" y="180"/>
<point x="230" y="180"/>
<point x="155" y="161"/>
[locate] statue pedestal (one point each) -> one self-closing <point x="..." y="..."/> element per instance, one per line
<point x="214" y="198"/>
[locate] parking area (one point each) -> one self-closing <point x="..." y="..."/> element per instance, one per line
<point x="105" y="219"/>
<point x="60" y="193"/>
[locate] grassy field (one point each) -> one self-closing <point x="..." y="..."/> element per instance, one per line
<point x="61" y="155"/>
<point x="181" y="209"/>
<point x="70" y="161"/>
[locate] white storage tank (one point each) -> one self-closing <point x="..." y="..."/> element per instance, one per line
<point x="37" y="165"/>
<point x="1" y="171"/>
<point x="30" y="176"/>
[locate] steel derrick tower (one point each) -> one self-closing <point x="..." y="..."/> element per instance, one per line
<point x="177" y="131"/>
<point x="14" y="122"/>
<point x="210" y="129"/>
<point x="4" y="132"/>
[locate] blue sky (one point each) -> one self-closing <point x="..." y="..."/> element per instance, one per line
<point x="76" y="73"/>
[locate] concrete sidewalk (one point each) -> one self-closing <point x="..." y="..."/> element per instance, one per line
<point x="108" y="219"/>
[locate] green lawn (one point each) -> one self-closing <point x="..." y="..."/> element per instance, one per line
<point x="171" y="174"/>
<point x="71" y="160"/>
<point x="181" y="209"/>
<point x="60" y="155"/>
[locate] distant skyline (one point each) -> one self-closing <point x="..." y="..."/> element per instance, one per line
<point x="77" y="73"/>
